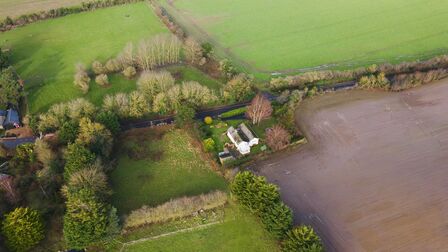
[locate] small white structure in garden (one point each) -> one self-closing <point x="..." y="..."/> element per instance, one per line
<point x="243" y="138"/>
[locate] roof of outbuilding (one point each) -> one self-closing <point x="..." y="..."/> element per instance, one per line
<point x="12" y="116"/>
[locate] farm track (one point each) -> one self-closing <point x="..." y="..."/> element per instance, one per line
<point x="373" y="176"/>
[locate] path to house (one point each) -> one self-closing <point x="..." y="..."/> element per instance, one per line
<point x="373" y="176"/>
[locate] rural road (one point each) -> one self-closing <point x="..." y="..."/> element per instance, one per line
<point x="374" y="174"/>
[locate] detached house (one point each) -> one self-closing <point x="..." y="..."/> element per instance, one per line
<point x="243" y="138"/>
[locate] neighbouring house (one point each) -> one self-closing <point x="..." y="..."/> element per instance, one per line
<point x="243" y="138"/>
<point x="9" y="119"/>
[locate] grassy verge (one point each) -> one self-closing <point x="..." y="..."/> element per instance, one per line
<point x="45" y="53"/>
<point x="156" y="165"/>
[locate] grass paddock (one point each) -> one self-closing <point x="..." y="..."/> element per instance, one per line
<point x="156" y="165"/>
<point x="45" y="53"/>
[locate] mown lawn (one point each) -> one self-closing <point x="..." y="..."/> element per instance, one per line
<point x="297" y="34"/>
<point x="45" y="53"/>
<point x="239" y="231"/>
<point x="156" y="165"/>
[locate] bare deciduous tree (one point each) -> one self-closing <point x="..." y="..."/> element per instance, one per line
<point x="82" y="79"/>
<point x="277" y="137"/>
<point x="259" y="109"/>
<point x="7" y="185"/>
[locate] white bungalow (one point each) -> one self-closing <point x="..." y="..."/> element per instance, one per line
<point x="242" y="138"/>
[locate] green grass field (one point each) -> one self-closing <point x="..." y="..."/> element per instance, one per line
<point x="45" y="53"/>
<point x="155" y="166"/>
<point x="239" y="231"/>
<point x="288" y="35"/>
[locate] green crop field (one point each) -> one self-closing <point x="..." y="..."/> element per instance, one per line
<point x="156" y="165"/>
<point x="296" y="35"/>
<point x="45" y="53"/>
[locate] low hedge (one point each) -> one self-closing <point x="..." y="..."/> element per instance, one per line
<point x="174" y="209"/>
<point x="234" y="112"/>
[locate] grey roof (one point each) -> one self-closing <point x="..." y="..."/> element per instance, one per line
<point x="12" y="116"/>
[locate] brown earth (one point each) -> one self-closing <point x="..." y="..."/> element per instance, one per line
<point x="374" y="174"/>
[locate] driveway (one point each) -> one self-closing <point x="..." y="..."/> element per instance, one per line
<point x="374" y="176"/>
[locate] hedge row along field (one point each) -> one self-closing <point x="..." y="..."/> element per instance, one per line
<point x="45" y="53"/>
<point x="288" y="35"/>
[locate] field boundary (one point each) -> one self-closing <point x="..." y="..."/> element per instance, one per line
<point x="169" y="234"/>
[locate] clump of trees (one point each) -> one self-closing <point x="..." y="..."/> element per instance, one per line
<point x="102" y="80"/>
<point x="132" y="105"/>
<point x="227" y="69"/>
<point x="164" y="96"/>
<point x="82" y="79"/>
<point x="195" y="53"/>
<point x="378" y="81"/>
<point x="151" y="53"/>
<point x="11" y="90"/>
<point x="302" y="239"/>
<point x="263" y="199"/>
<point x="184" y="116"/>
<point x="153" y="83"/>
<point x="61" y="113"/>
<point x="259" y="109"/>
<point x="23" y="229"/>
<point x="239" y="88"/>
<point x="129" y="72"/>
<point x="98" y="68"/>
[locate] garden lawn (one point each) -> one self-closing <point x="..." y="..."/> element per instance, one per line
<point x="156" y="165"/>
<point x="45" y="53"/>
<point x="240" y="231"/>
<point x="288" y="35"/>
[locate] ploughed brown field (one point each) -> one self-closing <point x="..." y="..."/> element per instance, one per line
<point x="374" y="175"/>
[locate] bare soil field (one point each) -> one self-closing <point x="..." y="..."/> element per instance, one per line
<point x="15" y="8"/>
<point x="374" y="174"/>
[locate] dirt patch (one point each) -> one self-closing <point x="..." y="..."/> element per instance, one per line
<point x="373" y="176"/>
<point x="22" y="132"/>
